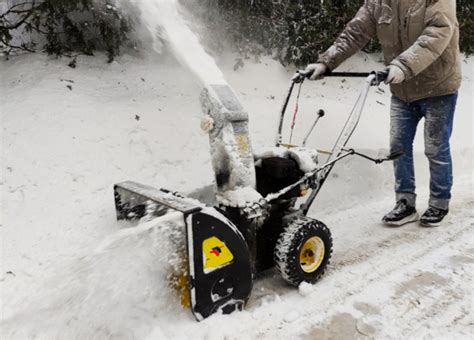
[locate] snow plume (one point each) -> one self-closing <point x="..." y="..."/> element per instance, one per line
<point x="163" y="20"/>
<point x="116" y="292"/>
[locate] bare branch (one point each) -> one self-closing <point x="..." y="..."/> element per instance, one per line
<point x="13" y="9"/>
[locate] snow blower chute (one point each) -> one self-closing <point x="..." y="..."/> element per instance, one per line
<point x="255" y="224"/>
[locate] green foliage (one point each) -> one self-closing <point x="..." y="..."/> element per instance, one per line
<point x="296" y="31"/>
<point x="466" y="25"/>
<point x="67" y="26"/>
<point x="293" y="31"/>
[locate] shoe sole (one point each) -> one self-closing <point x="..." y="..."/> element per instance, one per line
<point x="409" y="219"/>
<point x="430" y="225"/>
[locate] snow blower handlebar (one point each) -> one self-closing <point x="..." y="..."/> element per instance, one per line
<point x="310" y="175"/>
<point x="317" y="177"/>
<point x="377" y="77"/>
<point x="380" y="76"/>
<point x="391" y="157"/>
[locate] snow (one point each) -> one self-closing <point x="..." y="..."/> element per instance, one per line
<point x="162" y="17"/>
<point x="114" y="291"/>
<point x="230" y="148"/>
<point x="240" y="197"/>
<point x="138" y="119"/>
<point x="305" y="288"/>
<point x="307" y="159"/>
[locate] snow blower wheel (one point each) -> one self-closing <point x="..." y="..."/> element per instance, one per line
<point x="303" y="251"/>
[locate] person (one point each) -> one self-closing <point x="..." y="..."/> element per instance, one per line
<point x="420" y="44"/>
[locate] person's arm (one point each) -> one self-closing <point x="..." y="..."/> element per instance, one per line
<point x="355" y="36"/>
<point x="440" y="24"/>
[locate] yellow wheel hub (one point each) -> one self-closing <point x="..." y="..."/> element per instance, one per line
<point x="312" y="254"/>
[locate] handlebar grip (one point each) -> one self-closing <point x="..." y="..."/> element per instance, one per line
<point x="380" y="77"/>
<point x="301" y="75"/>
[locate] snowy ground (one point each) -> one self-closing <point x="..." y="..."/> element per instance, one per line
<point x="68" y="135"/>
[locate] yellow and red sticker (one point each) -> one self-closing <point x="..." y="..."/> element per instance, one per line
<point x="215" y="254"/>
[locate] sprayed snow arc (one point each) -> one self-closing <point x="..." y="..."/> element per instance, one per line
<point x="114" y="292"/>
<point x="163" y="20"/>
<point x="230" y="154"/>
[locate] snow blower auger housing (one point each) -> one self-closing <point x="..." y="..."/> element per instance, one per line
<point x="255" y="224"/>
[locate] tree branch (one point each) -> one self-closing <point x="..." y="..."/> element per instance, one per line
<point x="13" y="9"/>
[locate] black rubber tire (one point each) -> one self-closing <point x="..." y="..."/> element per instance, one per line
<point x="288" y="247"/>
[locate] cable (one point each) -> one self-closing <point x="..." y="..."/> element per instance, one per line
<point x="293" y="123"/>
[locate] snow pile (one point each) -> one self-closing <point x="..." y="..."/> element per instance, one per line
<point x="119" y="291"/>
<point x="306" y="289"/>
<point x="239" y="197"/>
<point x="164" y="22"/>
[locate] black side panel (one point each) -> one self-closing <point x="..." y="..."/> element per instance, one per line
<point x="134" y="200"/>
<point x="276" y="173"/>
<point x="219" y="266"/>
<point x="268" y="234"/>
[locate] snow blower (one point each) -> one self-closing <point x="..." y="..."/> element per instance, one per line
<point x="256" y="223"/>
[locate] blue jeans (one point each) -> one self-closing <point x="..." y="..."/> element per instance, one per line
<point x="404" y="118"/>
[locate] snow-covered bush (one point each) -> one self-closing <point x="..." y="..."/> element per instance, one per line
<point x="63" y="26"/>
<point x="466" y="25"/>
<point x="294" y="31"/>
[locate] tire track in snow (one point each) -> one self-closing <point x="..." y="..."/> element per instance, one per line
<point x="412" y="302"/>
<point x="367" y="256"/>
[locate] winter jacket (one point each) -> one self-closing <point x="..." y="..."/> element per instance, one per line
<point x="419" y="36"/>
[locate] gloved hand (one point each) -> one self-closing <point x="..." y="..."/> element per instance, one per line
<point x="317" y="70"/>
<point x="395" y="75"/>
